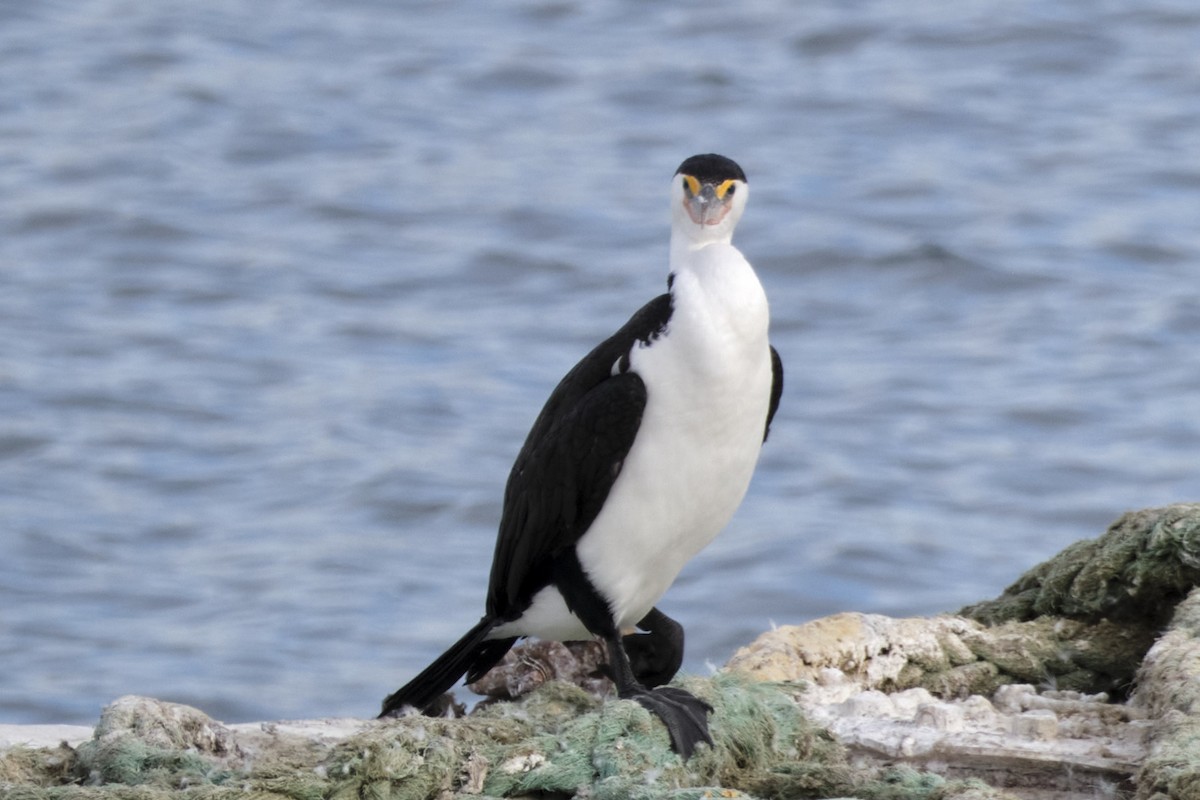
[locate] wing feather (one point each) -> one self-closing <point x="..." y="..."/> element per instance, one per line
<point x="776" y="389"/>
<point x="569" y="463"/>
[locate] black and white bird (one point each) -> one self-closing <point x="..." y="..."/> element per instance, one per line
<point x="637" y="461"/>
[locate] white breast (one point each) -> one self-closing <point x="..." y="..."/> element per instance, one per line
<point x="708" y="382"/>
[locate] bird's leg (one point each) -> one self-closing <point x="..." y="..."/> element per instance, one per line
<point x="684" y="714"/>
<point x="656" y="655"/>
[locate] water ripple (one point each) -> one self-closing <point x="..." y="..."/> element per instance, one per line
<point x="281" y="294"/>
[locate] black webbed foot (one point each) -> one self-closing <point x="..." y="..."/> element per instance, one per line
<point x="684" y="715"/>
<point x="656" y="655"/>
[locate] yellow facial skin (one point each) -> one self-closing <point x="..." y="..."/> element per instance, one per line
<point x="707" y="204"/>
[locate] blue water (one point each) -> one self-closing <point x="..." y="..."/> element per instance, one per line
<point x="283" y="285"/>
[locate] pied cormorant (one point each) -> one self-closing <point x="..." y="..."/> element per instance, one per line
<point x="638" y="459"/>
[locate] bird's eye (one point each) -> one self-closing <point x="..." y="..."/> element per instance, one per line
<point x="732" y="188"/>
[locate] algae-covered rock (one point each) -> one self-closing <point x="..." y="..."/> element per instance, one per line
<point x="559" y="741"/>
<point x="1080" y="623"/>
<point x="165" y="725"/>
<point x="949" y="656"/>
<point x="878" y="651"/>
<point x="31" y="766"/>
<point x="1169" y="691"/>
<point x="1018" y="690"/>
<point x="142" y="741"/>
<point x="1137" y="572"/>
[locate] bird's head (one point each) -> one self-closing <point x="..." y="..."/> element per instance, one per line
<point x="708" y="194"/>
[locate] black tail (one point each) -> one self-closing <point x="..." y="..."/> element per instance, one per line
<point x="473" y="654"/>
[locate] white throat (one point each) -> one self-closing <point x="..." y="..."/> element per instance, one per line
<point x="687" y="237"/>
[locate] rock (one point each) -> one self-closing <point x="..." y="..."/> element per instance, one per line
<point x="877" y="651"/>
<point x="950" y="656"/>
<point x="1169" y="694"/>
<point x="534" y="663"/>
<point x="1143" y="565"/>
<point x="1024" y="697"/>
<point x="165" y="725"/>
<point x="1055" y="741"/>
<point x="1081" y="626"/>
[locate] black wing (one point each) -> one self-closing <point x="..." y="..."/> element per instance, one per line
<point x="569" y="462"/>
<point x="776" y="389"/>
